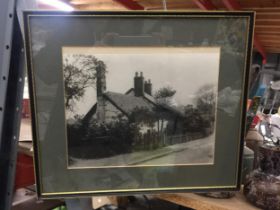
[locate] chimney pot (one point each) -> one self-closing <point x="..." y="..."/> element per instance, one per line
<point x="148" y="87"/>
<point x="139" y="85"/>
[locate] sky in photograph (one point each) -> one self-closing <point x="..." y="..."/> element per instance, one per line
<point x="183" y="69"/>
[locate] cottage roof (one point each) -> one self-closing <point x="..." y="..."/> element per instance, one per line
<point x="128" y="103"/>
<point x="163" y="106"/>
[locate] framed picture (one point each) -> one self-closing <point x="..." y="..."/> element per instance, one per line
<point x="137" y="102"/>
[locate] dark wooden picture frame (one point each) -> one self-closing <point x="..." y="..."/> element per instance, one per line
<point x="53" y="41"/>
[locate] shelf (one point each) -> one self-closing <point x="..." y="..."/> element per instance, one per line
<point x="198" y="202"/>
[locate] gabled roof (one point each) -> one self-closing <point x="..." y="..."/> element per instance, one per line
<point x="90" y="113"/>
<point x="128" y="103"/>
<point x="162" y="106"/>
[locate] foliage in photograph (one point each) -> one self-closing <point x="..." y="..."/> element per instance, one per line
<point x="137" y="120"/>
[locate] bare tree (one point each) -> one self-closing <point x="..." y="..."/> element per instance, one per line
<point x="79" y="74"/>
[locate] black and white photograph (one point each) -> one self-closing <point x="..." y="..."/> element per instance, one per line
<point x="140" y="106"/>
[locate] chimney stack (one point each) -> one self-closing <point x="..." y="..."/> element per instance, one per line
<point x="100" y="81"/>
<point x="148" y="87"/>
<point x="139" y="84"/>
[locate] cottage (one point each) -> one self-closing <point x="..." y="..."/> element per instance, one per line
<point x="136" y="104"/>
